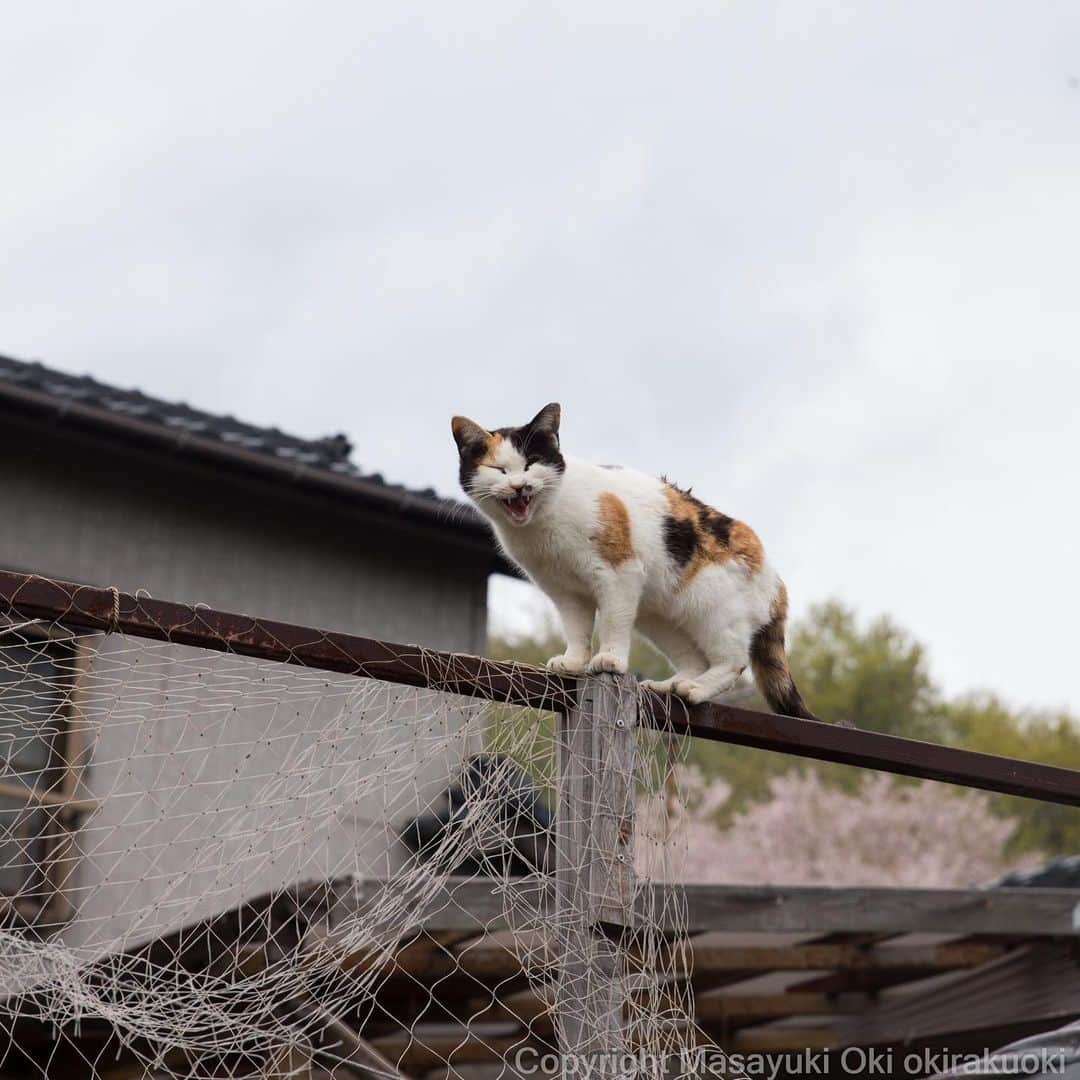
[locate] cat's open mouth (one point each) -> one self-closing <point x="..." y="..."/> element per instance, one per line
<point x="517" y="506"/>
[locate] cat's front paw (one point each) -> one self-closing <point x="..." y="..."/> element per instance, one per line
<point x="607" y="661"/>
<point x="567" y="664"/>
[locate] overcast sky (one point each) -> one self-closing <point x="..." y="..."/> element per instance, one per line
<point x="818" y="260"/>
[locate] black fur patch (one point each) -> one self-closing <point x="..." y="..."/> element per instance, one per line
<point x="468" y="463"/>
<point x="536" y="447"/>
<point x="471" y="453"/>
<point x="716" y="523"/>
<point x="680" y="539"/>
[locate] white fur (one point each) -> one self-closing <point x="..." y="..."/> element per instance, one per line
<point x="704" y="626"/>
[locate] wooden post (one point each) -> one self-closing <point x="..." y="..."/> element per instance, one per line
<point x="594" y="871"/>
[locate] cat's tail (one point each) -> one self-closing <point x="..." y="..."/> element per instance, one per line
<point x="769" y="663"/>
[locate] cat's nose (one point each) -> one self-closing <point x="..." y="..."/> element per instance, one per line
<point x="521" y="486"/>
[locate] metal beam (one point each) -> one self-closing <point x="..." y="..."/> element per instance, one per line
<point x="90" y="608"/>
<point x="866" y="749"/>
<point x="87" y="607"/>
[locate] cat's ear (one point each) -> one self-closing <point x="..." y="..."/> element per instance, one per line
<point x="547" y="420"/>
<point x="467" y="433"/>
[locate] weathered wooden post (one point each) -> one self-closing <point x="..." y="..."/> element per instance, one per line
<point x="594" y="871"/>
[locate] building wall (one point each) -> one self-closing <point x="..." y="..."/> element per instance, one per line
<point x="84" y="510"/>
<point x="222" y="779"/>
<point x="170" y="844"/>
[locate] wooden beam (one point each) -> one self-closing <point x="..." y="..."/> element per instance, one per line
<point x="718" y="1006"/>
<point x="881" y="910"/>
<point x="534" y="1012"/>
<point x="594" y="874"/>
<point x="493" y="959"/>
<point x="497" y="960"/>
<point x="419" y="1050"/>
<point x="239" y="960"/>
<point x="864" y="982"/>
<point x="594" y="866"/>
<point x="355" y="1052"/>
<point x="472" y="904"/>
<point x="1039" y="984"/>
<point x="780" y="1040"/>
<point x="526" y="1006"/>
<point x="429" y="955"/>
<point x="290" y="1062"/>
<point x="62" y="804"/>
<point x="755" y="958"/>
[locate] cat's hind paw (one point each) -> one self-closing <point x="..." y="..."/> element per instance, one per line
<point x="691" y="691"/>
<point x="657" y="686"/>
<point x="565" y="664"/>
<point x="606" y="661"/>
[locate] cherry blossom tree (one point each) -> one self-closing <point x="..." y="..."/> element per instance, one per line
<point x="887" y="832"/>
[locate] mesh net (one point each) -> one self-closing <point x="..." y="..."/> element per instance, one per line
<point x="218" y="866"/>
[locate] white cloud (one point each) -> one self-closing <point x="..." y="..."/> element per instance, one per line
<point x="816" y="261"/>
<point x="455" y="261"/>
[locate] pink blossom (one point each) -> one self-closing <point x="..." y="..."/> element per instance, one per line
<point x="885" y="833"/>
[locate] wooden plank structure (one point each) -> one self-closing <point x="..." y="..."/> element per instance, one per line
<point x="888" y="989"/>
<point x="893" y="989"/>
<point x="874" y="978"/>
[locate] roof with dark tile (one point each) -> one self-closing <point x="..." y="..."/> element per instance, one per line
<point x="321" y="463"/>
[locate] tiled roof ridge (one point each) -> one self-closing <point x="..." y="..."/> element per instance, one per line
<point x="330" y="453"/>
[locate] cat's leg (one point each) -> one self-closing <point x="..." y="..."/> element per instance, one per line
<point x="728" y="654"/>
<point x="716" y="612"/>
<point x="687" y="659"/>
<point x="617" y="602"/>
<point x="577" y="615"/>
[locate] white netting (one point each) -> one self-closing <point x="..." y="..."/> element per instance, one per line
<point x="214" y="866"/>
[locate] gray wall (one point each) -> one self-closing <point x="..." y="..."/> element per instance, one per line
<point x="78" y="508"/>
<point x="222" y="779"/>
<point x="173" y="841"/>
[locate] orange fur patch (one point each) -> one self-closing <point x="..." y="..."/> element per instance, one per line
<point x="613" y="540"/>
<point x="494" y="441"/>
<point x="680" y="505"/>
<point x="710" y="545"/>
<point x="744" y="544"/>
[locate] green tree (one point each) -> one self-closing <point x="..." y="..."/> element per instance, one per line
<point x="983" y="722"/>
<point x="876" y="676"/>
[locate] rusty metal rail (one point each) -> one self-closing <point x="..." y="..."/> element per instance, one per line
<point x="89" y="608"/>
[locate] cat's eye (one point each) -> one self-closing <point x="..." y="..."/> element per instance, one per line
<point x="497" y="468"/>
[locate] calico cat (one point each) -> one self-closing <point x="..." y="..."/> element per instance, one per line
<point x="618" y="549"/>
